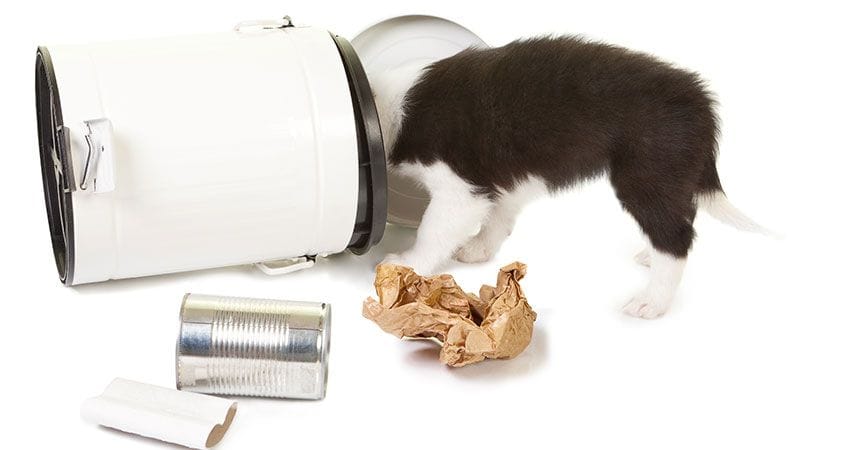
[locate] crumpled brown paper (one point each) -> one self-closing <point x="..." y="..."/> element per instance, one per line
<point x="497" y="323"/>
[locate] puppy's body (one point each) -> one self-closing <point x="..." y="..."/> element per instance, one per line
<point x="488" y="129"/>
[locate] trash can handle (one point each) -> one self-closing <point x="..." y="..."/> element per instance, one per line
<point x="99" y="161"/>
<point x="283" y="266"/>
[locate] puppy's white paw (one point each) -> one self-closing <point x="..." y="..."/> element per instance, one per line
<point x="474" y="251"/>
<point x="646" y="307"/>
<point x="643" y="258"/>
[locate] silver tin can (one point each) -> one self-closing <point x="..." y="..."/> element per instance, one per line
<point x="255" y="347"/>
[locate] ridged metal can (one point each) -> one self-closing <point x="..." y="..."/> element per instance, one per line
<point x="254" y="347"/>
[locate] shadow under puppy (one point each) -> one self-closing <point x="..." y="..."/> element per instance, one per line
<point x="487" y="130"/>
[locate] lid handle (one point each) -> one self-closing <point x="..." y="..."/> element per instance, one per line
<point x="248" y="26"/>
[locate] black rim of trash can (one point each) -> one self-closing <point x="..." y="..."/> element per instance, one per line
<point x="56" y="172"/>
<point x="372" y="168"/>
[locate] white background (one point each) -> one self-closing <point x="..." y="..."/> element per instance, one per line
<point x="750" y="356"/>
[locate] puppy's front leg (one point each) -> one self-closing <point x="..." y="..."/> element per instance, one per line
<point x="494" y="231"/>
<point x="451" y="218"/>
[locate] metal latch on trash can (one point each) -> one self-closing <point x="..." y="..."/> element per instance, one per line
<point x="98" y="175"/>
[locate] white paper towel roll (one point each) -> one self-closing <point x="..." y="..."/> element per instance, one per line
<point x="184" y="418"/>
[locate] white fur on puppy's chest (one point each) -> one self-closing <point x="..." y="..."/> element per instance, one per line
<point x="442" y="182"/>
<point x="459" y="220"/>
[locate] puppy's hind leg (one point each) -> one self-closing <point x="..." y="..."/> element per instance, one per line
<point x="643" y="258"/>
<point x="666" y="217"/>
<point x="455" y="211"/>
<point x="653" y="301"/>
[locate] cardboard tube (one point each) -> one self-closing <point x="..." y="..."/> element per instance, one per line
<point x="185" y="418"/>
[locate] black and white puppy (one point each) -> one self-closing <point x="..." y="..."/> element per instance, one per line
<point x="487" y="130"/>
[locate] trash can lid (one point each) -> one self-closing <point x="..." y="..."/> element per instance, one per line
<point x="56" y="170"/>
<point x="371" y="216"/>
<point x="397" y="42"/>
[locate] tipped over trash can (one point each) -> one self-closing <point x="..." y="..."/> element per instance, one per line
<point x="260" y="145"/>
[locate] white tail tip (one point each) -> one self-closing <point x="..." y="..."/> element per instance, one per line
<point x="720" y="208"/>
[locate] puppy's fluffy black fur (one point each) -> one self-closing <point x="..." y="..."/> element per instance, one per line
<point x="565" y="109"/>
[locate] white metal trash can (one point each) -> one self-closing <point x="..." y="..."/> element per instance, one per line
<point x="182" y="153"/>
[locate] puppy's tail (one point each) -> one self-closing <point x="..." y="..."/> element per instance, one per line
<point x="711" y="198"/>
<point x="716" y="204"/>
